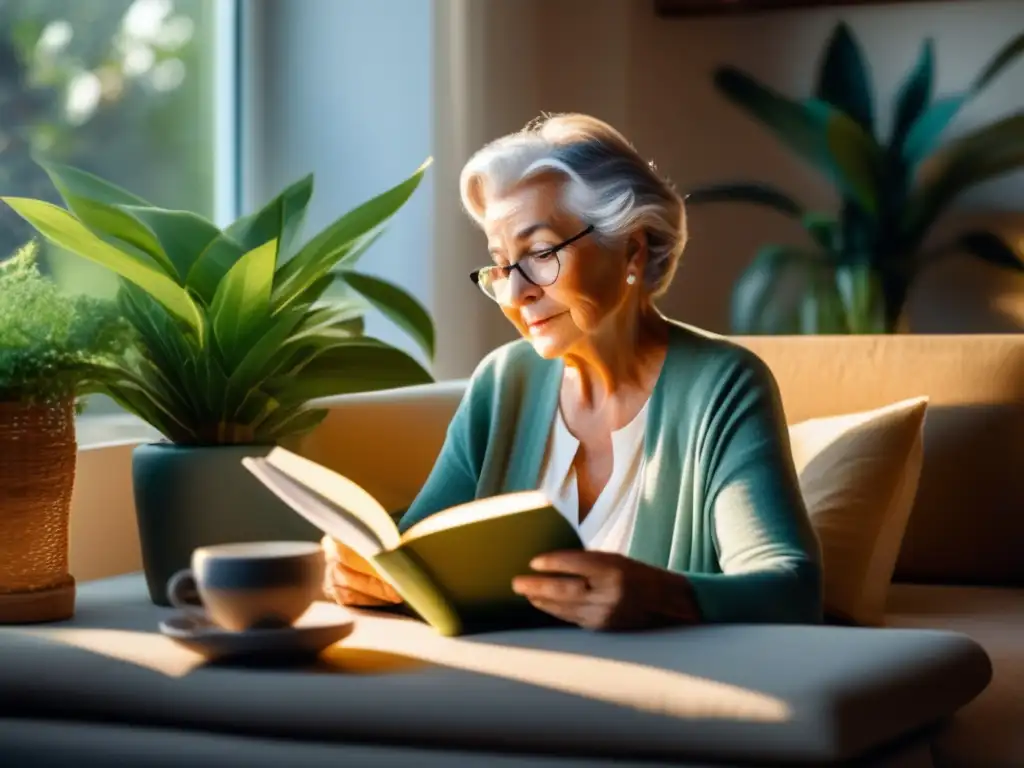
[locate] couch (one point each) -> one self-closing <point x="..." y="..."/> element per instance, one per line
<point x="961" y="565"/>
<point x="951" y="653"/>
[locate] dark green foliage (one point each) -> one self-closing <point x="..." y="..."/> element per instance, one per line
<point x="855" y="273"/>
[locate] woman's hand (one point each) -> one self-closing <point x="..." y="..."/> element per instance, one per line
<point x="350" y="580"/>
<point x="607" y="591"/>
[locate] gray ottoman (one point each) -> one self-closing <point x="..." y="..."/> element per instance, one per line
<point x="715" y="695"/>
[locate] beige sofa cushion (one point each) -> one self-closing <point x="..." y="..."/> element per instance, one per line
<point x="858" y="475"/>
<point x="387" y="441"/>
<point x="966" y="525"/>
<point x="988" y="732"/>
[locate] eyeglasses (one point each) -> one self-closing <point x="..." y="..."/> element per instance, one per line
<point x="541" y="269"/>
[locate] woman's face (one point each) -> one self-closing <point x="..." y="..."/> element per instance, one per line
<point x="590" y="292"/>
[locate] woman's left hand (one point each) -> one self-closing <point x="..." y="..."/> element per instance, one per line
<point x="607" y="591"/>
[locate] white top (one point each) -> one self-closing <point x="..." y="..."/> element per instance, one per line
<point x="609" y="524"/>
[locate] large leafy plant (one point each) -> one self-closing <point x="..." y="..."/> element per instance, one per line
<point x="854" y="273"/>
<point x="51" y="344"/>
<point x="235" y="338"/>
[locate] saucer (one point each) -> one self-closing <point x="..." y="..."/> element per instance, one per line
<point x="317" y="629"/>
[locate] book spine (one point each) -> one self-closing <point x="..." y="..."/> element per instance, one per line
<point x="418" y="590"/>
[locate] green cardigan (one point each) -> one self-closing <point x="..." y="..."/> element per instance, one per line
<point x="720" y="499"/>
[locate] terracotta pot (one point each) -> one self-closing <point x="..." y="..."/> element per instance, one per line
<point x="37" y="475"/>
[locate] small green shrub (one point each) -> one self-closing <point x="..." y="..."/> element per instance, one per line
<point x="52" y="345"/>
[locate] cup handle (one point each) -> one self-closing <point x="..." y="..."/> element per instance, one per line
<point x="182" y="592"/>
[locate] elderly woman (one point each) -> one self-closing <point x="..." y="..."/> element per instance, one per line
<point x="666" y="446"/>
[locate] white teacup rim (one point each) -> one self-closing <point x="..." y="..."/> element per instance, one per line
<point x="259" y="550"/>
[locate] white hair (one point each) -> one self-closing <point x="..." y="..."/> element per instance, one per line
<point x="608" y="185"/>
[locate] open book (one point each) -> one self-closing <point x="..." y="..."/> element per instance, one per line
<point x="454" y="568"/>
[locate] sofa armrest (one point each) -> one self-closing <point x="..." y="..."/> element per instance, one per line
<point x="386" y="441"/>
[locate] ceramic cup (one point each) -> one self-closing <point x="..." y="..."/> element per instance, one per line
<point x="246" y="586"/>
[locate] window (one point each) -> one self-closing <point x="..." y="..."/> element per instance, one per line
<point x="141" y="92"/>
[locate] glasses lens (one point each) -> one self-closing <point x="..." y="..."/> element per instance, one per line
<point x="542" y="270"/>
<point x="489" y="279"/>
<point x="496" y="283"/>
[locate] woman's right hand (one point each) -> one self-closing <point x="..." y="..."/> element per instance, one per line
<point x="351" y="580"/>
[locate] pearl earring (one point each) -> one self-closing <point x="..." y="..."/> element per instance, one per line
<point x="630" y="278"/>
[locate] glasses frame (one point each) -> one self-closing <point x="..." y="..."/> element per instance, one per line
<point x="553" y="251"/>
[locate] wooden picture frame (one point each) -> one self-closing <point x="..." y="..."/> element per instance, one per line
<point x="736" y="7"/>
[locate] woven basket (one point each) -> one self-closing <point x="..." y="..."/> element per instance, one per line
<point x="37" y="475"/>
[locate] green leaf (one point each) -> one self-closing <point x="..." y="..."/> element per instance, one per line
<point x="280" y="219"/>
<point x="397" y="305"/>
<point x="324" y="251"/>
<point x="989" y="152"/>
<point x="821" y="308"/>
<point x="182" y="235"/>
<point x="759" y="304"/>
<point x="210" y="388"/>
<point x="163" y="343"/>
<point x="212" y="265"/>
<point x="929" y="127"/>
<point x="992" y="248"/>
<point x="356" y="249"/>
<point x="74" y="183"/>
<point x="264" y="359"/>
<point x="289" y="421"/>
<point x="142" y="397"/>
<point x="319" y="330"/>
<point x="314" y="292"/>
<point x="926" y="130"/>
<point x="1005" y="56"/>
<point x="242" y="302"/>
<point x="863" y="300"/>
<point x="745" y="192"/>
<point x="157" y="379"/>
<point x="119" y="228"/>
<point x="817" y="132"/>
<point x="861" y="236"/>
<point x="857" y="158"/>
<point x="161" y="337"/>
<point x="322" y="325"/>
<point x="843" y="79"/>
<point x="96" y="203"/>
<point x="138" y="401"/>
<point x="64" y="230"/>
<point x="913" y="96"/>
<point x="823" y="229"/>
<point x="799" y="129"/>
<point x="360" y="365"/>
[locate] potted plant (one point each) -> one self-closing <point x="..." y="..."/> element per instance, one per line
<point x="236" y="343"/>
<point x="857" y="266"/>
<point x="50" y="345"/>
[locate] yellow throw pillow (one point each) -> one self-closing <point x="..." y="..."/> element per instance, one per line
<point x="858" y="475"/>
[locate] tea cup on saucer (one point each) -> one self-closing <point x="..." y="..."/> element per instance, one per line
<point x="250" y="586"/>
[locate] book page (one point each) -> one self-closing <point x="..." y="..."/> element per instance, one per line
<point x="339" y="491"/>
<point x="333" y="521"/>
<point x="480" y="509"/>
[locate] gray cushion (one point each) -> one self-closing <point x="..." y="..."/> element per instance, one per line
<point x="93" y="745"/>
<point x="760" y="693"/>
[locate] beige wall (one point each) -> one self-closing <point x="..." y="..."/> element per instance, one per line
<point x="505" y="61"/>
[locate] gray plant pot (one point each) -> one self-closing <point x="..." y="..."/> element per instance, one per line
<point x="189" y="497"/>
